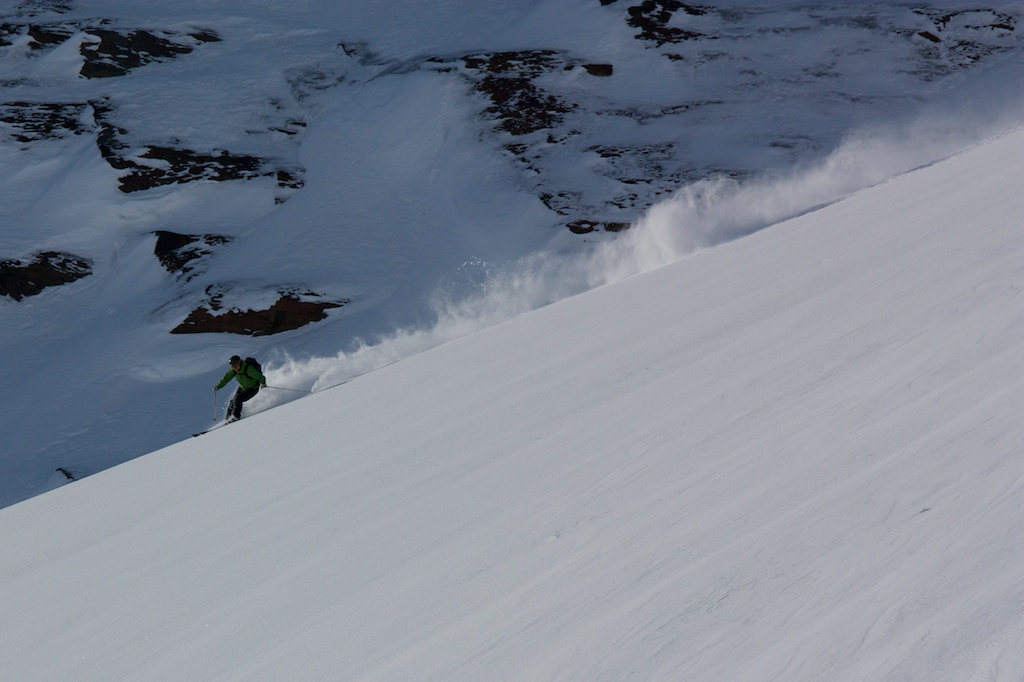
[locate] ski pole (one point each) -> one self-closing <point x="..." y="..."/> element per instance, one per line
<point x="215" y="406"/>
<point x="297" y="390"/>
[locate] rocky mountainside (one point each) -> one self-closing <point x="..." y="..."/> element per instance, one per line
<point x="321" y="171"/>
<point x="596" y="156"/>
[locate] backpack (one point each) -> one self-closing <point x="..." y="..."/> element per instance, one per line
<point x="253" y="362"/>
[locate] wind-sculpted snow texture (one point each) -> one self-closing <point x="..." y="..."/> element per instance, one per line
<point x="793" y="457"/>
<point x="351" y="183"/>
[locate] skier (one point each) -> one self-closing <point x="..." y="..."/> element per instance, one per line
<point x="250" y="380"/>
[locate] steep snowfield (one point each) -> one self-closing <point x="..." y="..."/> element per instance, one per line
<point x="795" y="456"/>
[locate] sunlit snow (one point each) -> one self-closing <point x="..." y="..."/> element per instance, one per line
<point x="770" y="432"/>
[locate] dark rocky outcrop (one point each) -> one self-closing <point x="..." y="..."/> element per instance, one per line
<point x="146" y="166"/>
<point x="507" y="78"/>
<point x="172" y="165"/>
<point x="110" y="50"/>
<point x="290" y="311"/>
<point x="604" y="70"/>
<point x="652" y="17"/>
<point x="34" y="121"/>
<point x="178" y="166"/>
<point x="533" y="100"/>
<point x="960" y="39"/>
<point x="116" y="52"/>
<point x="19" y="279"/>
<point x="588" y="226"/>
<point x="180" y="254"/>
<point x="31" y="8"/>
<point x="49" y="35"/>
<point x="67" y="474"/>
<point x="538" y="118"/>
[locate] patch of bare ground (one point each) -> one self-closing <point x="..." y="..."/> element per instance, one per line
<point x="289" y="312"/>
<point x="20" y="279"/>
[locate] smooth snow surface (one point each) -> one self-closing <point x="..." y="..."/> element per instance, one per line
<point x="796" y="456"/>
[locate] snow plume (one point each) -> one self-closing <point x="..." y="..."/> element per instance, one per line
<point x="504" y="294"/>
<point x="720" y="209"/>
<point x="698" y="216"/>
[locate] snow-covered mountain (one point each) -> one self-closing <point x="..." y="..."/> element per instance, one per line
<point x="334" y="186"/>
<point x="796" y="456"/>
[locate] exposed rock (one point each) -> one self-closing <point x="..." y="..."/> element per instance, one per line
<point x="31" y="8"/>
<point x="588" y="226"/>
<point x="564" y="202"/>
<point x="184" y="165"/>
<point x="582" y="226"/>
<point x="33" y="121"/>
<point x="361" y="52"/>
<point x="532" y="114"/>
<point x="180" y="253"/>
<point x="538" y="119"/>
<point x="110" y="51"/>
<point x="44" y="36"/>
<point x="961" y="39"/>
<point x="636" y="163"/>
<point x="653" y="16"/>
<point x="290" y="128"/>
<point x="172" y="165"/>
<point x="289" y="178"/>
<point x="66" y="473"/>
<point x="147" y="166"/>
<point x="507" y="79"/>
<point x="19" y="279"/>
<point x="7" y="30"/>
<point x="118" y="52"/>
<point x="954" y="40"/>
<point x="290" y="311"/>
<point x="599" y="69"/>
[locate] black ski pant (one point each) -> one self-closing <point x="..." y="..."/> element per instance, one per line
<point x="240" y="396"/>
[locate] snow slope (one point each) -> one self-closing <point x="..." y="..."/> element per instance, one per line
<point x="416" y="207"/>
<point x="795" y="456"/>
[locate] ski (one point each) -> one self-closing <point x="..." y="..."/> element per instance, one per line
<point x="212" y="428"/>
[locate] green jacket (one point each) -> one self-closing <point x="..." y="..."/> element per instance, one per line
<point x="247" y="375"/>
